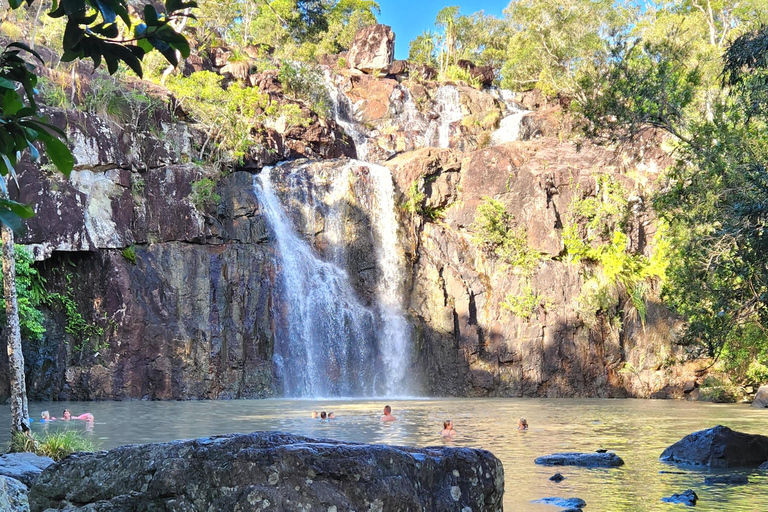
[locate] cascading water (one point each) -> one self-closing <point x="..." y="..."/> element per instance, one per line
<point x="509" y="127"/>
<point x="448" y="109"/>
<point x="343" y="114"/>
<point x="327" y="343"/>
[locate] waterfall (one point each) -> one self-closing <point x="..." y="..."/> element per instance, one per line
<point x="509" y="127"/>
<point x="448" y="108"/>
<point x="343" y="114"/>
<point x="327" y="342"/>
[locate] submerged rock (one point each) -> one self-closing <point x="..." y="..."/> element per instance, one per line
<point x="557" y="477"/>
<point x="719" y="447"/>
<point x="246" y="471"/>
<point x="727" y="479"/>
<point x="568" y="503"/>
<point x="581" y="459"/>
<point x="684" y="498"/>
<point x="24" y="467"/>
<point x="13" y="495"/>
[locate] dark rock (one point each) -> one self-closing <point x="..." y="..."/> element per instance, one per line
<point x="590" y="460"/>
<point x="763" y="466"/>
<point x="373" y="49"/>
<point x="684" y="498"/>
<point x="398" y="67"/>
<point x="601" y="450"/>
<point x="484" y="75"/>
<point x="727" y="479"/>
<point x="719" y="447"/>
<point x="557" y="477"/>
<point x="220" y="55"/>
<point x="761" y="398"/>
<point x="242" y="471"/>
<point x="25" y="467"/>
<point x="569" y="503"/>
<point x="424" y="71"/>
<point x="13" y="495"/>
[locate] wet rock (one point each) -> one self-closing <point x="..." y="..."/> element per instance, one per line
<point x="557" y="477"/>
<point x="567" y="503"/>
<point x="246" y="471"/>
<point x="373" y="49"/>
<point x="763" y="466"/>
<point x="13" y="495"/>
<point x="719" y="447"/>
<point x="684" y="498"/>
<point x="591" y="460"/>
<point x="727" y="479"/>
<point x="761" y="398"/>
<point x="25" y="467"/>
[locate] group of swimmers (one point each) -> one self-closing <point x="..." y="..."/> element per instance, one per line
<point x="66" y="415"/>
<point x="323" y="416"/>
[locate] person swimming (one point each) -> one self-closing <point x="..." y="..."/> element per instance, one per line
<point x="314" y="415"/>
<point x="85" y="416"/>
<point x="522" y="424"/>
<point x="388" y="414"/>
<point x="448" y="429"/>
<point x="45" y="416"/>
<point x="331" y="416"/>
<point x="323" y="416"/>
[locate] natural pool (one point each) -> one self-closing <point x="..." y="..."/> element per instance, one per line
<point x="638" y="430"/>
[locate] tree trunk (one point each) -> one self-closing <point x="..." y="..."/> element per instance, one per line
<point x="19" y="410"/>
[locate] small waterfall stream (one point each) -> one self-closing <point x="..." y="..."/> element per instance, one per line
<point x="448" y="108"/>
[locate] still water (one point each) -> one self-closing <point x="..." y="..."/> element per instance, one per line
<point x="638" y="430"/>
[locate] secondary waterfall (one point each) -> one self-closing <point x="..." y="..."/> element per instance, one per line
<point x="448" y="108"/>
<point x="327" y="341"/>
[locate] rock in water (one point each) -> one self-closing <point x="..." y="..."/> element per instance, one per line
<point x="590" y="460"/>
<point x="25" y="467"/>
<point x="727" y="479"/>
<point x="761" y="398"/>
<point x="570" y="503"/>
<point x="685" y="498"/>
<point x="248" y="471"/>
<point x="557" y="477"/>
<point x="13" y="495"/>
<point x="373" y="49"/>
<point x="719" y="447"/>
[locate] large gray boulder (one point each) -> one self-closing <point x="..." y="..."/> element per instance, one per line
<point x="719" y="447"/>
<point x="25" y="467"/>
<point x="761" y="398"/>
<point x="252" y="471"/>
<point x="373" y="49"/>
<point x="590" y="460"/>
<point x="13" y="495"/>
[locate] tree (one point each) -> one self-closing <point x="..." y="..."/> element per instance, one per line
<point x="95" y="29"/>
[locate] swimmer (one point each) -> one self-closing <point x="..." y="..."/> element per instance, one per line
<point x="45" y="416"/>
<point x="331" y="416"/>
<point x="522" y="424"/>
<point x="85" y="416"/>
<point x="314" y="415"/>
<point x="388" y="414"/>
<point x="323" y="416"/>
<point x="448" y="429"/>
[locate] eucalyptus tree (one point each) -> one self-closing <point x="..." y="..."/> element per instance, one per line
<point x="100" y="30"/>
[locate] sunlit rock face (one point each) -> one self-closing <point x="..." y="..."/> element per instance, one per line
<point x="373" y="49"/>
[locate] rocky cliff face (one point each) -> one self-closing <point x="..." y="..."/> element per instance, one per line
<point x="182" y="288"/>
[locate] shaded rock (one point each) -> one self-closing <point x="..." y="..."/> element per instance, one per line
<point x="684" y="498"/>
<point x="608" y="460"/>
<point x="13" y="495"/>
<point x="398" y="67"/>
<point x="727" y="479"/>
<point x="25" y="467"/>
<point x="568" y="503"/>
<point x="761" y="398"/>
<point x="557" y="477"/>
<point x="245" y="471"/>
<point x="719" y="447"/>
<point x="373" y="49"/>
<point x="763" y="466"/>
<point x="424" y="71"/>
<point x="484" y="75"/>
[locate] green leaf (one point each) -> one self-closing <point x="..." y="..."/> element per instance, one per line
<point x="7" y="84"/>
<point x="22" y="210"/>
<point x="10" y="219"/>
<point x="59" y="153"/>
<point x="11" y="103"/>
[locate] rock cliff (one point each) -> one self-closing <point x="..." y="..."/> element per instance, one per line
<point x="180" y="287"/>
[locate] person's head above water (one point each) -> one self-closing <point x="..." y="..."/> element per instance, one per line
<point x="447" y="425"/>
<point x="45" y="416"/>
<point x="331" y="416"/>
<point x="522" y="424"/>
<point x="66" y="414"/>
<point x="314" y="415"/>
<point x="323" y="415"/>
<point x="387" y="410"/>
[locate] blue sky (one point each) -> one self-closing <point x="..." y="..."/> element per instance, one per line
<point x="409" y="18"/>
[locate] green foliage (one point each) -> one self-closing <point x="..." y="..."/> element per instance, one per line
<point x="30" y="293"/>
<point x="306" y="82"/>
<point x="457" y="74"/>
<point x="416" y="204"/>
<point x="524" y="304"/>
<point x="129" y="253"/>
<point x="204" y="194"/>
<point x="55" y="445"/>
<point x="495" y="233"/>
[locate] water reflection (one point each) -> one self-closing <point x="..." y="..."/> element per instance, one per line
<point x="638" y="430"/>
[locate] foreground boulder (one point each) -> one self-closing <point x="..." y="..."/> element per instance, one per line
<point x="24" y="467"/>
<point x="13" y="495"/>
<point x="590" y="460"/>
<point x="252" y="471"/>
<point x="719" y="447"/>
<point x="761" y="398"/>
